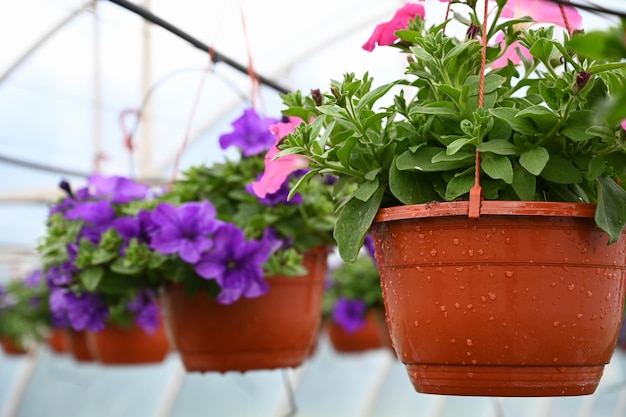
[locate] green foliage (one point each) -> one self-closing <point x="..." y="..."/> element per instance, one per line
<point x="25" y="316"/>
<point x="358" y="280"/>
<point x="541" y="133"/>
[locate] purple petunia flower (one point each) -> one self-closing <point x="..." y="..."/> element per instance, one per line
<point x="147" y="313"/>
<point x="349" y="314"/>
<point x="117" y="189"/>
<point x="184" y="230"/>
<point x="34" y="278"/>
<point x="62" y="274"/>
<point x="236" y="264"/>
<point x="86" y="311"/>
<point x="139" y="227"/>
<point x="369" y="246"/>
<point x="58" y="306"/>
<point x="251" y="133"/>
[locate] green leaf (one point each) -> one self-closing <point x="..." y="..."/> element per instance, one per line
<point x="90" y="278"/>
<point x="542" y="118"/>
<point x="410" y="187"/>
<point x="422" y="160"/>
<point x="366" y="189"/>
<point x="524" y="183"/>
<point x="353" y="223"/>
<point x="577" y="125"/>
<point x="542" y="49"/>
<point x="497" y="167"/>
<point x="371" y="97"/>
<point x="499" y="147"/>
<point x="456" y="145"/>
<point x="596" y="167"/>
<point x="459" y="185"/>
<point x="534" y="160"/>
<point x="561" y="171"/>
<point x="610" y="215"/>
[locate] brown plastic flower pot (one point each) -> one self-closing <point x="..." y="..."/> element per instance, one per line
<point x="57" y="341"/>
<point x="276" y="330"/>
<point x="526" y="300"/>
<point x="77" y="345"/>
<point x="11" y="348"/>
<point x="116" y="345"/>
<point x="366" y="338"/>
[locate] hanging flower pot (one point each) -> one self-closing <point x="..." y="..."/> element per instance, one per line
<point x="526" y="300"/>
<point x="57" y="340"/>
<point x="77" y="345"/>
<point x="366" y="337"/>
<point x="117" y="345"/>
<point x="11" y="348"/>
<point x="276" y="330"/>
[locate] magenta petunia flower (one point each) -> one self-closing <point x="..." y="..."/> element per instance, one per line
<point x="541" y="11"/>
<point x="385" y="33"/>
<point x="236" y="264"/>
<point x="251" y="133"/>
<point x="624" y="124"/>
<point x="349" y="314"/>
<point x="278" y="170"/>
<point x="184" y="230"/>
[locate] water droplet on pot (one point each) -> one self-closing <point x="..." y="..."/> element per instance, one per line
<point x="469" y="342"/>
<point x="509" y="273"/>
<point x="608" y="297"/>
<point x="416" y="323"/>
<point x="470" y="306"/>
<point x="457" y="305"/>
<point x="474" y="361"/>
<point x="555" y="324"/>
<point x="555" y="360"/>
<point x="492" y="296"/>
<point x="470" y="375"/>
<point x="579" y="316"/>
<point x="459" y="268"/>
<point x="442" y="308"/>
<point x="433" y="252"/>
<point x="483" y="298"/>
<point x="589" y="294"/>
<point x="456" y="241"/>
<point x="461" y="287"/>
<point x="571" y="287"/>
<point x="553" y="284"/>
<point x="453" y="341"/>
<point x="470" y="252"/>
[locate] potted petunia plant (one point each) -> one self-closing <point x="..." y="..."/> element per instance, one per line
<point x="242" y="276"/>
<point x="94" y="258"/>
<point x="25" y="318"/>
<point x="493" y="186"/>
<point x="353" y="305"/>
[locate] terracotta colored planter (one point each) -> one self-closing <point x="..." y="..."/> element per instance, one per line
<point x="57" y="340"/>
<point x="366" y="338"/>
<point x="10" y="348"/>
<point x="276" y="330"/>
<point x="527" y="300"/>
<point x="120" y="346"/>
<point x="77" y="345"/>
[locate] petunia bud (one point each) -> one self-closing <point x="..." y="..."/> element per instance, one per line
<point x="317" y="96"/>
<point x="335" y="92"/>
<point x="472" y="31"/>
<point x="582" y="78"/>
<point x="65" y="186"/>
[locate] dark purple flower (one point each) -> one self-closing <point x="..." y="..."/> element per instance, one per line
<point x="139" y="227"/>
<point x="62" y="274"/>
<point x="86" y="311"/>
<point x="236" y="264"/>
<point x="184" y="230"/>
<point x="117" y="189"/>
<point x="146" y="309"/>
<point x="349" y="314"/>
<point x="251" y="133"/>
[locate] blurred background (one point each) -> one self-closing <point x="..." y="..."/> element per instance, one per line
<point x="75" y="74"/>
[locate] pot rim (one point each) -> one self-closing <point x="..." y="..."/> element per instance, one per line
<point x="487" y="207"/>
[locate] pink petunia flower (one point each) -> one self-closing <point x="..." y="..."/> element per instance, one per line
<point x="384" y="33"/>
<point x="277" y="170"/>
<point x="624" y="124"/>
<point x="542" y="11"/>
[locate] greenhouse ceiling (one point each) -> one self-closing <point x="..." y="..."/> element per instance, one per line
<point x="75" y="74"/>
